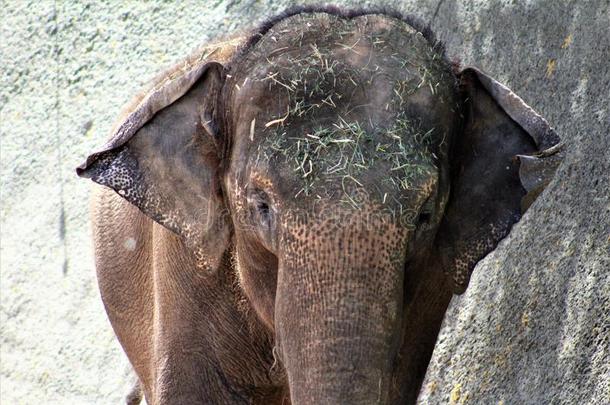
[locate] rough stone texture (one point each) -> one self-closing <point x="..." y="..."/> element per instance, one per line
<point x="532" y="328"/>
<point x="534" y="325"/>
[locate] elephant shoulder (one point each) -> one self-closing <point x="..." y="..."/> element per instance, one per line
<point x="122" y="234"/>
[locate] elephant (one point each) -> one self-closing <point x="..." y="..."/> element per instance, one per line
<point x="286" y="214"/>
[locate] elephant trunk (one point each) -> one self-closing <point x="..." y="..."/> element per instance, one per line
<point x="338" y="319"/>
<point x="333" y="361"/>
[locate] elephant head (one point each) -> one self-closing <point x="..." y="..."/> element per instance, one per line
<point x="355" y="176"/>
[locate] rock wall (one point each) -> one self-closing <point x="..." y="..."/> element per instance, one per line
<point x="532" y="328"/>
<point x="534" y="325"/>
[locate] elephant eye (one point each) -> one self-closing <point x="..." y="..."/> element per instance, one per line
<point x="262" y="216"/>
<point x="263" y="209"/>
<point x="425" y="213"/>
<point x="259" y="207"/>
<point x="424" y="218"/>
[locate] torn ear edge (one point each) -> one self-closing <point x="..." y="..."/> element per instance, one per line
<point x="124" y="163"/>
<point x="536" y="170"/>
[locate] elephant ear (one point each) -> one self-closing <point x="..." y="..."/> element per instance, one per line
<point x="503" y="158"/>
<point x="164" y="154"/>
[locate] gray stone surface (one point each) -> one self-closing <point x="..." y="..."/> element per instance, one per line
<point x="532" y="328"/>
<point x="534" y="325"/>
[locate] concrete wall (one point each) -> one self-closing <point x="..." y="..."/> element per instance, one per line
<point x="534" y="324"/>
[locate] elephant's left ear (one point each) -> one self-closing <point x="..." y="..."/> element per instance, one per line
<point x="501" y="161"/>
<point x="165" y="153"/>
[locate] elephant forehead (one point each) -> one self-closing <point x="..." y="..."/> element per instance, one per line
<point x="339" y="63"/>
<point x="315" y="65"/>
<point x="331" y="107"/>
<point x="346" y="159"/>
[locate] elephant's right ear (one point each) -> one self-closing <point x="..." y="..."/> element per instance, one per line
<point x="164" y="154"/>
<point x="504" y="156"/>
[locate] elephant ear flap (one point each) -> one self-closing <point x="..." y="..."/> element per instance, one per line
<point x="503" y="158"/>
<point x="164" y="154"/>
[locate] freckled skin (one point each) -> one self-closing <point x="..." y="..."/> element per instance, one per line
<point x="300" y="211"/>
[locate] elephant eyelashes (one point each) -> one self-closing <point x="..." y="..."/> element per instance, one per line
<point x="260" y="210"/>
<point x="263" y="210"/>
<point x="263" y="214"/>
<point x="425" y="213"/>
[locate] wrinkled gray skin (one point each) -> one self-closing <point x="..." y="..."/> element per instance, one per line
<point x="294" y="217"/>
